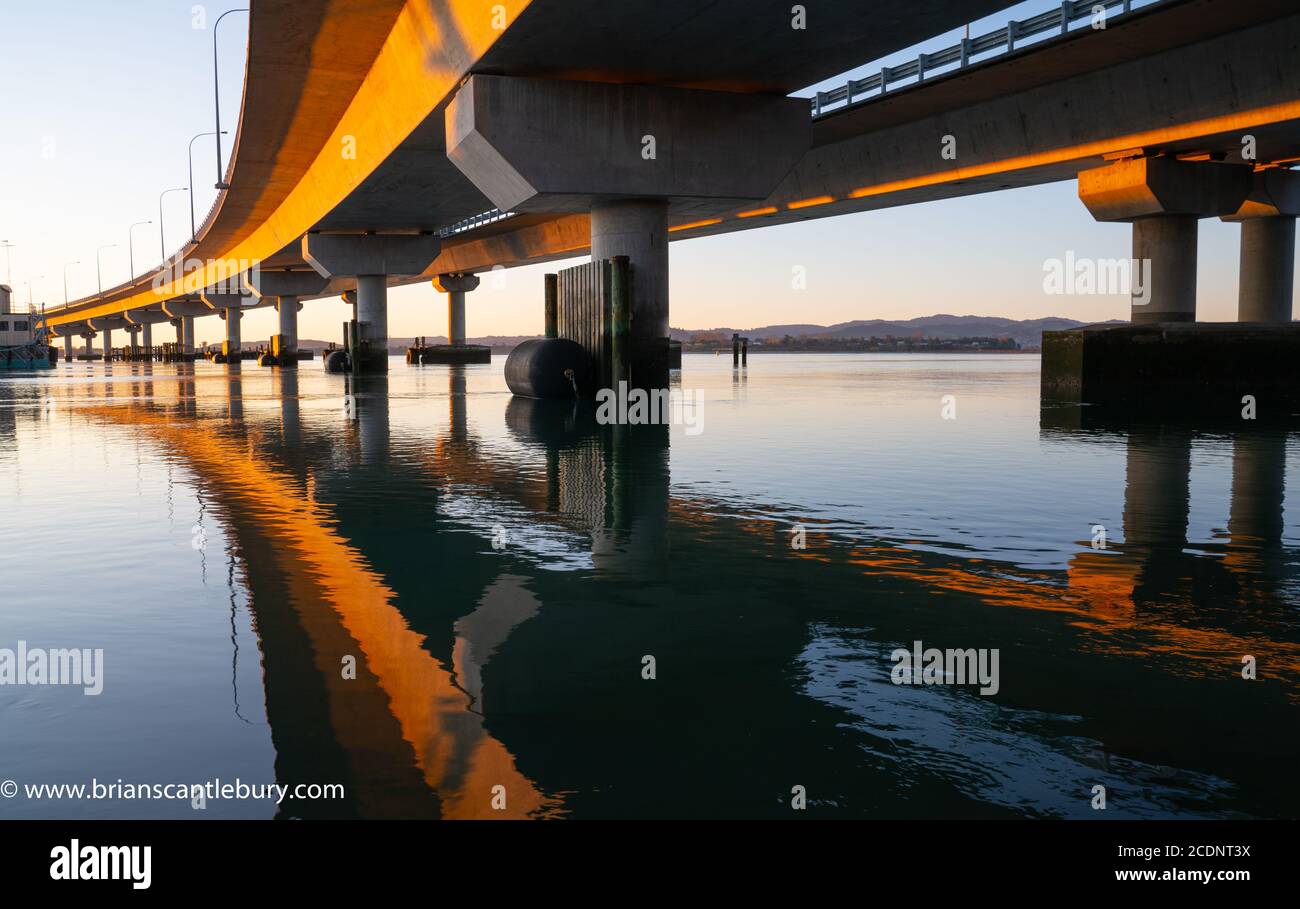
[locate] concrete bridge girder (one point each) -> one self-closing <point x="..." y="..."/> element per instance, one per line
<point x="545" y="145"/>
<point x="144" y="317"/>
<point x="185" y="308"/>
<point x="104" y="326"/>
<point x="1274" y="192"/>
<point x="1143" y="187"/>
<point x="356" y="255"/>
<point x="264" y="283"/>
<point x="107" y="323"/>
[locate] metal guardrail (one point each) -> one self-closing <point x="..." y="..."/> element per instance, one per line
<point x="859" y="91"/>
<point x="487" y="217"/>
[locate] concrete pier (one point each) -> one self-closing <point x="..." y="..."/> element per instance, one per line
<point x="233" y="346"/>
<point x="284" y="288"/>
<point x="286" y="351"/>
<point x="638" y="229"/>
<point x="370" y="259"/>
<point x="1267" y="218"/>
<point x="230" y="306"/>
<point x="372" y="317"/>
<point x="107" y="344"/>
<point x="1168" y="243"/>
<point x="715" y="150"/>
<point x="1267" y="275"/>
<point x="455" y="286"/>
<point x="1163" y="198"/>
<point x="67" y="348"/>
<point x="1206" y="368"/>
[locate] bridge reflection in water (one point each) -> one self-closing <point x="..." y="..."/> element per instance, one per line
<point x="361" y="534"/>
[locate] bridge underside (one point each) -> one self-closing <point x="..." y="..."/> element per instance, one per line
<point x="1186" y="79"/>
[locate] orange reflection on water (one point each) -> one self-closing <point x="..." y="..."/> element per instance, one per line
<point x="459" y="760"/>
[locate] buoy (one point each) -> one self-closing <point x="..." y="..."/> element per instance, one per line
<point x="337" y="361"/>
<point x="550" y="368"/>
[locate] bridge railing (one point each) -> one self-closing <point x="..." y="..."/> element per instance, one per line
<point x="859" y="91"/>
<point x="487" y="217"/>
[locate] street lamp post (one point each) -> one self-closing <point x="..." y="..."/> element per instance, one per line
<point x="65" y="280"/>
<point x="6" y="246"/>
<point x="162" y="237"/>
<point x="130" y="243"/>
<point x="99" y="275"/>
<point x="194" y="231"/>
<point x="216" y="91"/>
<point x="29" y="289"/>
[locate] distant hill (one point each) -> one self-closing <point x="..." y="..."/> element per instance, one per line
<point x="399" y="345"/>
<point x="1026" y="332"/>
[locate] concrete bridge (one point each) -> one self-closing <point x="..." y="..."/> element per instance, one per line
<point x="388" y="142"/>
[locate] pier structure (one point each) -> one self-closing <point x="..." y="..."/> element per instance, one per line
<point x="456" y="350"/>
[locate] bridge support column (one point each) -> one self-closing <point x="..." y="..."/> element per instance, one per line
<point x="233" y="345"/>
<point x="67" y="348"/>
<point x="370" y="259"/>
<point x="182" y="316"/>
<point x="285" y="287"/>
<point x="455" y="287"/>
<point x="134" y="332"/>
<point x="1164" y="248"/>
<point x="89" y="338"/>
<point x="286" y="348"/>
<point x="1163" y="198"/>
<point x="1265" y="288"/>
<point x="372" y="321"/>
<point x="146" y="338"/>
<point x="638" y="229"/>
<point x="108" y="344"/>
<point x="1267" y="270"/>
<point x="231" y="307"/>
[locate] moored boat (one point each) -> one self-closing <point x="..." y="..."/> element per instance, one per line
<point x="24" y="340"/>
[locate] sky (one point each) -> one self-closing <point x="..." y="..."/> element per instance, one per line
<point x="101" y="100"/>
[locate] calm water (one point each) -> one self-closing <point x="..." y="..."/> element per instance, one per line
<point x="498" y="572"/>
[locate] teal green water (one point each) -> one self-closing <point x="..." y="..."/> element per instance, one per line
<point x="448" y="600"/>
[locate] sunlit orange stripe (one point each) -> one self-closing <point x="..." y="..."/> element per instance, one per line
<point x="809" y="203"/>
<point x="1260" y="116"/>
<point x="754" y="213"/>
<point x="424" y="54"/>
<point x="710" y="222"/>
